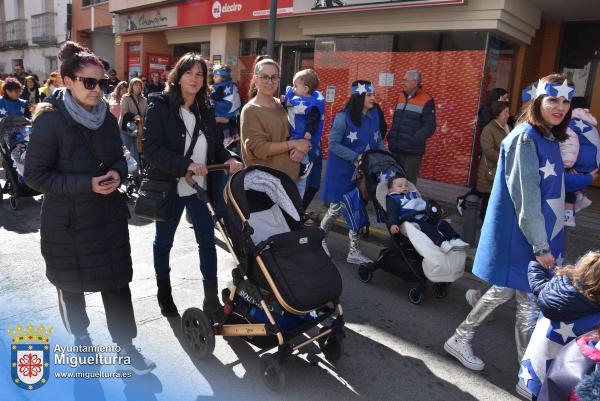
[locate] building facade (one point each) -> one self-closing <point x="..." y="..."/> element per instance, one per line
<point x="93" y="27"/>
<point x="463" y="48"/>
<point x="30" y="31"/>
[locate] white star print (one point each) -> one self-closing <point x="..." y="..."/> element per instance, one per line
<point x="560" y="260"/>
<point x="2" y="111"/>
<point x="22" y="110"/>
<point x="558" y="208"/>
<point x="565" y="331"/>
<point x="525" y="375"/>
<point x="353" y="136"/>
<point x="382" y="177"/>
<point x="361" y="89"/>
<point x="564" y="90"/>
<point x="581" y="125"/>
<point x="376" y="136"/>
<point x="548" y="169"/>
<point x="594" y="138"/>
<point x="233" y="99"/>
<point x="300" y="108"/>
<point x="531" y="91"/>
<point x="540" y="90"/>
<point x="227" y="90"/>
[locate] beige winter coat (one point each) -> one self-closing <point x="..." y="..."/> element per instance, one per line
<point x="491" y="136"/>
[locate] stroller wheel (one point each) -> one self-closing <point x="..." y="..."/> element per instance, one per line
<point x="330" y="346"/>
<point x="415" y="296"/>
<point x="272" y="368"/>
<point x="13" y="203"/>
<point x="365" y="273"/>
<point x="440" y="290"/>
<point x="198" y="333"/>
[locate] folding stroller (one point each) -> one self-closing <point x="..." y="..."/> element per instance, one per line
<point x="11" y="128"/>
<point x="284" y="284"/>
<point x="411" y="256"/>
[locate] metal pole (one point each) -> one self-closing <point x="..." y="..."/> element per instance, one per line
<point x="272" y="23"/>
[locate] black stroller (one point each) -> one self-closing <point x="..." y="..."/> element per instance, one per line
<point x="401" y="258"/>
<point x="284" y="284"/>
<point x="14" y="131"/>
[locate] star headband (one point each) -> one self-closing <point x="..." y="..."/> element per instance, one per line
<point x="565" y="90"/>
<point x="221" y="72"/>
<point x="359" y="89"/>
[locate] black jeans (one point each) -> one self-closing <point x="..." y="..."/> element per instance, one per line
<point x="117" y="306"/>
<point x="438" y="231"/>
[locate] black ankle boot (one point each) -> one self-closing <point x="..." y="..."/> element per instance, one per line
<point x="211" y="304"/>
<point x="165" y="299"/>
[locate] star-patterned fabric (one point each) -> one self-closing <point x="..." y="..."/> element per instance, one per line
<point x="12" y="108"/>
<point x="547" y="340"/>
<point x="588" y="158"/>
<point x="339" y="172"/>
<point x="299" y="107"/>
<point x="226" y="99"/>
<point x="503" y="253"/>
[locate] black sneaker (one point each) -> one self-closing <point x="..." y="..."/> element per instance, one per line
<point x="139" y="364"/>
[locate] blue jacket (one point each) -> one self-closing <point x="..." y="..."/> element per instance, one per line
<point x="557" y="298"/>
<point x="414" y="123"/>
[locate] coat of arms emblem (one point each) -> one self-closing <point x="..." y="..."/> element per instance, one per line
<point x="30" y="356"/>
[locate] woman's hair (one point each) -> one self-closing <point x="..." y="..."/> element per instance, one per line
<point x="260" y="61"/>
<point x="73" y="57"/>
<point x="356" y="103"/>
<point x="585" y="275"/>
<point x="32" y="78"/>
<point x="394" y="178"/>
<point x="12" y="84"/>
<point x="132" y="83"/>
<point x="51" y="78"/>
<point x="116" y="93"/>
<point x="224" y="67"/>
<point x="184" y="64"/>
<point x="309" y="78"/>
<point x="532" y="113"/>
<point x="497" y="107"/>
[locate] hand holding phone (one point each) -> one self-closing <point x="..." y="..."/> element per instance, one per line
<point x="110" y="181"/>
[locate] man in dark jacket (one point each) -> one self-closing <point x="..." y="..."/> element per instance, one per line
<point x="155" y="85"/>
<point x="413" y="124"/>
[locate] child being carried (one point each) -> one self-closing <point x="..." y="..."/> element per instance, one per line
<point x="401" y="202"/>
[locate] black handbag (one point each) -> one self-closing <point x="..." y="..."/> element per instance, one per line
<point x="156" y="198"/>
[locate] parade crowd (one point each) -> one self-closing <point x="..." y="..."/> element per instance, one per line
<point x="533" y="172"/>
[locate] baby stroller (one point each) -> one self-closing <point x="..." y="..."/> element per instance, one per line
<point x="412" y="256"/>
<point x="14" y="136"/>
<point x="284" y="284"/>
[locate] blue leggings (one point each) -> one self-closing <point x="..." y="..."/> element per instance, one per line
<point x="205" y="237"/>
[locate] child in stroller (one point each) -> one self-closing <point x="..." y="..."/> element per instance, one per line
<point x="402" y="203"/>
<point x="413" y="256"/>
<point x="14" y="137"/>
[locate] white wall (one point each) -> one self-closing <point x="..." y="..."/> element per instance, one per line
<point x="103" y="45"/>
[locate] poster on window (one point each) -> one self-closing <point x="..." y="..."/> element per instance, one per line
<point x="158" y="63"/>
<point x="321" y="6"/>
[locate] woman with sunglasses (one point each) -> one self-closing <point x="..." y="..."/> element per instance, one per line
<point x="180" y="135"/>
<point x="75" y="159"/>
<point x="264" y="125"/>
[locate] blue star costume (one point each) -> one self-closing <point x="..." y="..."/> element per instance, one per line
<point x="299" y="109"/>
<point x="12" y="107"/>
<point x="503" y="253"/>
<point x="589" y="146"/>
<point x="339" y="171"/>
<point x="227" y="101"/>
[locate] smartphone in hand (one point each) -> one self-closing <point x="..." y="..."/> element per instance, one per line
<point x="110" y="181"/>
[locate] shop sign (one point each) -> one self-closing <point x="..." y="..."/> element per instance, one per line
<point x="324" y="6"/>
<point x="148" y="19"/>
<point x="231" y="60"/>
<point x="216" y="59"/>
<point x="203" y="12"/>
<point x="330" y="94"/>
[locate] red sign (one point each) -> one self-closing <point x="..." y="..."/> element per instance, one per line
<point x="205" y="12"/>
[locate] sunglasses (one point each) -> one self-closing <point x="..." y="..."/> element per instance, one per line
<point x="90" y="83"/>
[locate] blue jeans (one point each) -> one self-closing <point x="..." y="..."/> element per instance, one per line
<point x="205" y="237"/>
<point x="131" y="144"/>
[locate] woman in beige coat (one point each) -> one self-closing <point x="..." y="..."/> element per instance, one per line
<point x="135" y="103"/>
<point x="491" y="136"/>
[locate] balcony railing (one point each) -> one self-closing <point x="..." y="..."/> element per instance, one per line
<point x="3" y="44"/>
<point x="42" y="28"/>
<point x="15" y="33"/>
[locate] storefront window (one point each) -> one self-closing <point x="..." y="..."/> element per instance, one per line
<point x="202" y="47"/>
<point x="252" y="47"/>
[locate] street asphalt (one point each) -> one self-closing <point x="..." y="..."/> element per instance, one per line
<point x="393" y="349"/>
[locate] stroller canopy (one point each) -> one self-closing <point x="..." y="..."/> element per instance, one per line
<point x="379" y="165"/>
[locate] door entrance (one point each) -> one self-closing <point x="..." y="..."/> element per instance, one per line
<point x="295" y="57"/>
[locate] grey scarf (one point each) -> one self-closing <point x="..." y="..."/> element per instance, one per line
<point x="89" y="119"/>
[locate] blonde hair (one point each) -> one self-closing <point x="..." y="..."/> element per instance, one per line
<point x="585" y="275"/>
<point x="132" y="83"/>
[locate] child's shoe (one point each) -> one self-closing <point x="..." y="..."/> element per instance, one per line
<point x="569" y="218"/>
<point x="472" y="296"/>
<point x="305" y="170"/>
<point x="582" y="203"/>
<point x="446" y="246"/>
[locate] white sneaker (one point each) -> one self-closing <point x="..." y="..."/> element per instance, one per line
<point x="459" y="243"/>
<point x="325" y="248"/>
<point x="582" y="203"/>
<point x="463" y="351"/>
<point x="472" y="296"/>
<point x="356" y="257"/>
<point x="569" y="218"/>
<point x="460" y="204"/>
<point x="446" y="246"/>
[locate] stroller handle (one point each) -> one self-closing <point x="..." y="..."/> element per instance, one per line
<point x="211" y="167"/>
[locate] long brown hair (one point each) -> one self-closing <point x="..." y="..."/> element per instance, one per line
<point x="184" y="64"/>
<point x="585" y="275"/>
<point x="532" y="113"/>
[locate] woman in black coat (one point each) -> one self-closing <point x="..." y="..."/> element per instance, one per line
<point x="178" y="120"/>
<point x="75" y="158"/>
